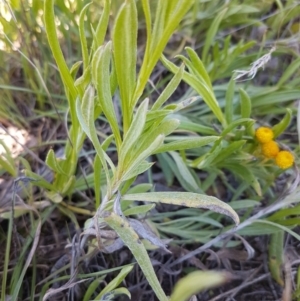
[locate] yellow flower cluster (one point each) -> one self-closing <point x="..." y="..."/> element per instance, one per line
<point x="284" y="159"/>
<point x="264" y="134"/>
<point x="270" y="148"/>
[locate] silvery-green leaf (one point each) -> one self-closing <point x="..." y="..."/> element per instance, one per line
<point x="187" y="199"/>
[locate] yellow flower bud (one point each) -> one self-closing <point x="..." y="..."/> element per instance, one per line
<point x="264" y="134"/>
<point x="270" y="149"/>
<point x="284" y="159"/>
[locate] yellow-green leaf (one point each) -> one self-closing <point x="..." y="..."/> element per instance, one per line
<point x="196" y="282"/>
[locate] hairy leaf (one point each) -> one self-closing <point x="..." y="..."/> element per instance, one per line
<point x="187" y="199"/>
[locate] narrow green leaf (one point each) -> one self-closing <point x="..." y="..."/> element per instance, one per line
<point x="246" y="105"/>
<point x="102" y="82"/>
<point x="275" y="251"/>
<point x="74" y="69"/>
<point x="182" y="104"/>
<point x="154" y="115"/>
<point x="136" y="170"/>
<point x="185" y="172"/>
<point x="195" y="127"/>
<point x="113" y="77"/>
<point x="234" y="124"/>
<point x="92" y="288"/>
<point x="83" y="81"/>
<point x="87" y="109"/>
<point x="187" y="199"/>
<point x="210" y="35"/>
<point x="8" y="166"/>
<point x="135" y="164"/>
<point x="229" y="101"/>
<point x="284" y="214"/>
<point x="196" y="282"/>
<point x="102" y="26"/>
<point x="203" y="89"/>
<point x="70" y="214"/>
<point x="169" y="90"/>
<point x="51" y="161"/>
<point x="98" y="171"/>
<point x="159" y="23"/>
<point x="144" y="187"/>
<point x="257" y="230"/>
<point x="245" y="174"/>
<point x="171" y="170"/>
<point x="289" y="72"/>
<point x="82" y="118"/>
<point x="136" y="210"/>
<point x="97" y="180"/>
<point x="168" y="173"/>
<point x="39" y="181"/>
<point x="278" y="226"/>
<point x="135" y="130"/>
<point x="84" y="48"/>
<point x="274" y="97"/>
<point x="125" y="186"/>
<point x="160" y="38"/>
<point x="132" y="241"/>
<point x="68" y="185"/>
<point x="115" y="282"/>
<point x="125" y="51"/>
<point x="165" y="128"/>
<point x="198" y="66"/>
<point x="244" y="204"/>
<point x="50" y="27"/>
<point x="186" y="143"/>
<point x="116" y="292"/>
<point x="280" y="127"/>
<point x="226" y="152"/>
<point x="147" y="13"/>
<point x="85" y="114"/>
